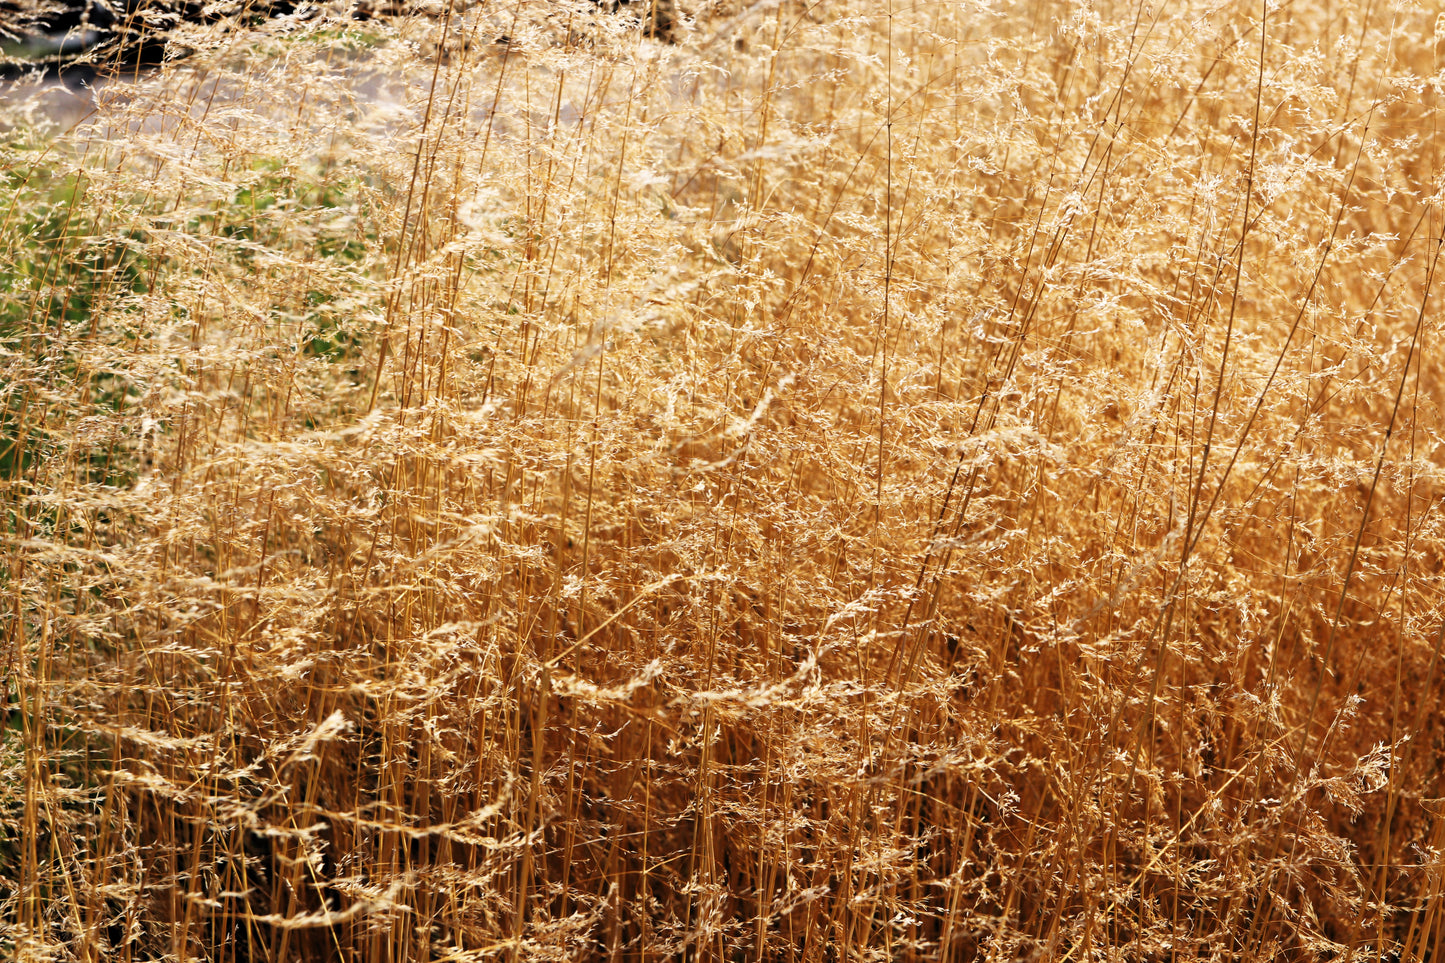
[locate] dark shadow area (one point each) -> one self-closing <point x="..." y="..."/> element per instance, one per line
<point x="79" y="42"/>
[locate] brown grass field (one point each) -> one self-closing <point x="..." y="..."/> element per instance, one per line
<point x="865" y="481"/>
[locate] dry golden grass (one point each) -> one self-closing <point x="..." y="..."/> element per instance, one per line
<point x="933" y="481"/>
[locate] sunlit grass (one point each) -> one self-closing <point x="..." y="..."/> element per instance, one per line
<point x="858" y="482"/>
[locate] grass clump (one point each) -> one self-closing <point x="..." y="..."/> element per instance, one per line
<point x="944" y="482"/>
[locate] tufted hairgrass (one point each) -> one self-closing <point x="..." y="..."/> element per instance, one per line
<point x="889" y="482"/>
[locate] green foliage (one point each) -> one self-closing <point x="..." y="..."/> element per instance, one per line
<point x="64" y="275"/>
<point x="59" y="263"/>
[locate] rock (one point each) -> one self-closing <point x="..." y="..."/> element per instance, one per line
<point x="60" y="38"/>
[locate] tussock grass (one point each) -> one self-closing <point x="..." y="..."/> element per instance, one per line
<point x="933" y="481"/>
